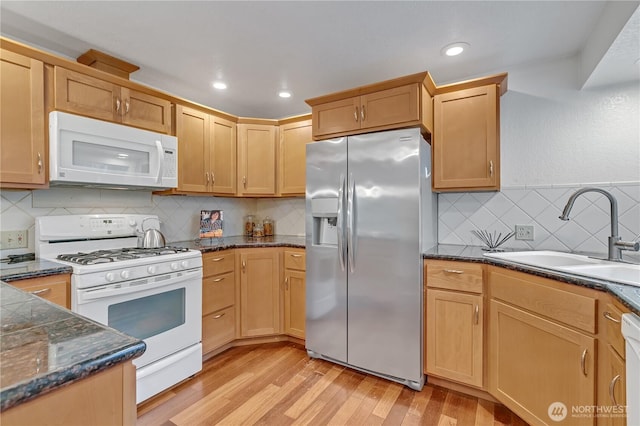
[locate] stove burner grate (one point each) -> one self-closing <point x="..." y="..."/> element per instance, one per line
<point x="115" y="255"/>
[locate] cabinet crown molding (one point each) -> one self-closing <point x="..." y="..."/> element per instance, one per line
<point x="107" y="63"/>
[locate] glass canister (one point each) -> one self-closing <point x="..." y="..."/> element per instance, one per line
<point x="258" y="231"/>
<point x="249" y="224"/>
<point x="267" y="223"/>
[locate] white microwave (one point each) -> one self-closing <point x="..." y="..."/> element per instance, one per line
<point x="88" y="152"/>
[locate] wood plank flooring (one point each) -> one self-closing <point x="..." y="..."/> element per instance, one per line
<point x="278" y="384"/>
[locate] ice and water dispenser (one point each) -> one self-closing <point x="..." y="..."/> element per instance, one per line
<point x="324" y="212"/>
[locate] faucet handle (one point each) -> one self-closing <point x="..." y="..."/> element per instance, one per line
<point x="628" y="245"/>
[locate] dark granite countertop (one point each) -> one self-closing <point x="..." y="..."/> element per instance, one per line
<point x="628" y="295"/>
<point x="206" y="245"/>
<point x="31" y="269"/>
<point x="44" y="346"/>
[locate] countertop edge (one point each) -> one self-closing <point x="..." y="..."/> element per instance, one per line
<point x="34" y="388"/>
<point x="613" y="288"/>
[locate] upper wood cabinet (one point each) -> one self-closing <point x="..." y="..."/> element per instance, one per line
<point x="392" y="104"/>
<point x="466" y="135"/>
<point x="256" y="159"/>
<point x="22" y="122"/>
<point x="86" y="95"/>
<point x="292" y="157"/>
<point x="206" y="152"/>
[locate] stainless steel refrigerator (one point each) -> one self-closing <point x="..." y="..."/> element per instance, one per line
<point x="369" y="214"/>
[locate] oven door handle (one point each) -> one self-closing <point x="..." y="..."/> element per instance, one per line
<point x="101" y="293"/>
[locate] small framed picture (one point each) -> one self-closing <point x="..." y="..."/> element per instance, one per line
<point x="210" y="223"/>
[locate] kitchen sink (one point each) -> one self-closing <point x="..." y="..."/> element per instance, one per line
<point x="546" y="259"/>
<point x="575" y="264"/>
<point x="624" y="273"/>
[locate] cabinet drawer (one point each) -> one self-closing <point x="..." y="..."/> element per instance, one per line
<point x="218" y="263"/>
<point x="294" y="260"/>
<point x="218" y="292"/>
<point x="53" y="288"/>
<point x="218" y="328"/>
<point x="461" y="276"/>
<point x="540" y="296"/>
<point x="612" y="317"/>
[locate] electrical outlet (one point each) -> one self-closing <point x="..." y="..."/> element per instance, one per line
<point x="524" y="232"/>
<point x="14" y="239"/>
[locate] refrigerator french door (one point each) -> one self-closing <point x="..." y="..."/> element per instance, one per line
<point x="365" y="199"/>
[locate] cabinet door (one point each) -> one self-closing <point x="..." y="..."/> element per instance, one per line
<point x="615" y="373"/>
<point x="22" y="131"/>
<point x="218" y="292"/>
<point x="336" y="117"/>
<point x="292" y="157"/>
<point x="257" y="162"/>
<point x="392" y="107"/>
<point x="145" y="111"/>
<point x="535" y="362"/>
<point x="294" y="303"/>
<point x="81" y="94"/>
<point x="223" y="156"/>
<point x="454" y="336"/>
<point x="54" y="288"/>
<point x="259" y="293"/>
<point x="466" y="139"/>
<point x="192" y="129"/>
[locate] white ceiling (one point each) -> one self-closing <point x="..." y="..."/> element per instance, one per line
<point x="315" y="48"/>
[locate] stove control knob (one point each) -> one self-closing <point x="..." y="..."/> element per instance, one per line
<point x="174" y="266"/>
<point x="125" y="274"/>
<point x="151" y="269"/>
<point x="132" y="223"/>
<point x="110" y="277"/>
<point x="184" y="264"/>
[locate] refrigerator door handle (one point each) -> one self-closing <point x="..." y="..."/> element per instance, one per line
<point x="350" y="222"/>
<point x="340" y="222"/>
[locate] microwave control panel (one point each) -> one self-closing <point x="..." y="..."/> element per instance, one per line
<point x="170" y="162"/>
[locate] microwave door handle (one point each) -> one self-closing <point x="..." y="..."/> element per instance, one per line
<point x="160" y="161"/>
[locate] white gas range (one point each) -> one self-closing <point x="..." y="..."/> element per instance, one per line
<point x="153" y="294"/>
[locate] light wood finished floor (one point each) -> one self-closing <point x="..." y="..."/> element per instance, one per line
<point x="278" y="384"/>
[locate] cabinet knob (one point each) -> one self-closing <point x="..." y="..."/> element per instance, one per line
<point x="355" y="114"/>
<point x="118" y="104"/>
<point x="453" y="271"/>
<point x="40" y="292"/>
<point x="286" y="283"/>
<point x="476" y="314"/>
<point x="362" y="113"/>
<point x="206" y="174"/>
<point x="491" y="168"/>
<point x="213" y="179"/>
<point x="39" y="163"/>
<point x="583" y="362"/>
<point x="244" y="181"/>
<point x="219" y="315"/>
<point x="126" y="106"/>
<point x="244" y="266"/>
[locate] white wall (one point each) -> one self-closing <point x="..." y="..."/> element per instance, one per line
<point x="553" y="133"/>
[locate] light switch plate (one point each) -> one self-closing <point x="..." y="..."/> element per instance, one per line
<point x="524" y="232"/>
<point x="14" y="239"/>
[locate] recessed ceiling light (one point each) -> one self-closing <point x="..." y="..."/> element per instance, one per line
<point x="284" y="94"/>
<point x="454" y="49"/>
<point x="219" y="85"/>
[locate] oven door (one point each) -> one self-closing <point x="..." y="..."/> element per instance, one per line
<point x="165" y="311"/>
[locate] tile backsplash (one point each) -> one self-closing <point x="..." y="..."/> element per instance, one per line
<point x="540" y="206"/>
<point x="458" y="213"/>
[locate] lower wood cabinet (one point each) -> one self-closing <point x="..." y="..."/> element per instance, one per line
<point x="612" y="375"/>
<point x="542" y="347"/>
<point x="218" y="299"/>
<point x="294" y="293"/>
<point x="54" y="288"/>
<point x="106" y="398"/>
<point x="454" y="321"/>
<point x="259" y="291"/>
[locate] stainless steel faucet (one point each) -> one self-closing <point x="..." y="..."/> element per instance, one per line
<point x="616" y="245"/>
